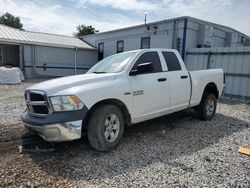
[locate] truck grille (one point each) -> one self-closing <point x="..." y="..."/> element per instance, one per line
<point x="37" y="103"/>
<point x="36" y="97"/>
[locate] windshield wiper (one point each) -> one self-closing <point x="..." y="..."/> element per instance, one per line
<point x="96" y="72"/>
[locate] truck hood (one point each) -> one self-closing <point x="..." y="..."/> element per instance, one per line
<point x="54" y="86"/>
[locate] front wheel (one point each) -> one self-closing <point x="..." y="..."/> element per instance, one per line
<point x="207" y="106"/>
<point x="105" y="127"/>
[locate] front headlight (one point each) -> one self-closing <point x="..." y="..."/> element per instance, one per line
<point x="66" y="103"/>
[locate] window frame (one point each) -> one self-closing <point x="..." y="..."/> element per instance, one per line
<point x="149" y="42"/>
<point x="117" y="42"/>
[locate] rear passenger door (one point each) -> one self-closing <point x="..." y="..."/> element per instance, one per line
<point x="150" y="90"/>
<point x="179" y="82"/>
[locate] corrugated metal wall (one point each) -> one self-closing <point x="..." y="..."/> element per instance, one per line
<point x="235" y="61"/>
<point x="59" y="61"/>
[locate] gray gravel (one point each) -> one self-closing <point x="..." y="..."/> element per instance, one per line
<point x="176" y="150"/>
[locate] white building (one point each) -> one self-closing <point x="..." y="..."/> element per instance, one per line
<point x="44" y="54"/>
<point x="179" y="33"/>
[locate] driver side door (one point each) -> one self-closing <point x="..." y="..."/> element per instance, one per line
<point x="150" y="90"/>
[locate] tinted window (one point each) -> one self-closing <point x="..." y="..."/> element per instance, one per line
<point x="100" y="51"/>
<point x="172" y="61"/>
<point x="149" y="57"/>
<point x="120" y="46"/>
<point x="145" y="42"/>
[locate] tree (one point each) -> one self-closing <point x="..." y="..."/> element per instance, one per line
<point x="11" y="21"/>
<point x="85" y="30"/>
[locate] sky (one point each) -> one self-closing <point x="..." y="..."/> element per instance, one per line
<point x="62" y="16"/>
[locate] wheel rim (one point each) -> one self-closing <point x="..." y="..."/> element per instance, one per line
<point x="112" y="127"/>
<point x="210" y="107"/>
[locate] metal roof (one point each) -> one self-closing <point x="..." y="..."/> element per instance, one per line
<point x="12" y="35"/>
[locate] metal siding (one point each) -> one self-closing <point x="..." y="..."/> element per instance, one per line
<point x="60" y="61"/>
<point x="192" y="38"/>
<point x="54" y="57"/>
<point x="28" y="72"/>
<point x="161" y="41"/>
<point x="55" y="71"/>
<point x="27" y="55"/>
<point x="85" y="59"/>
<point x="236" y="66"/>
<point x="132" y="43"/>
<point x="109" y="48"/>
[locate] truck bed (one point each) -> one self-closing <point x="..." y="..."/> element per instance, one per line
<point x="200" y="78"/>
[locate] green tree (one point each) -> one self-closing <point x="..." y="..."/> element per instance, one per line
<point x="85" y="30"/>
<point x="11" y="21"/>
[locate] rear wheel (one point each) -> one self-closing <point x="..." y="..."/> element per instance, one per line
<point x="207" y="106"/>
<point x="105" y="127"/>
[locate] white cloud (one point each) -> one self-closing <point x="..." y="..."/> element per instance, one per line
<point x="34" y="16"/>
<point x="56" y="17"/>
<point x="200" y="7"/>
<point x="230" y="13"/>
<point x="132" y="5"/>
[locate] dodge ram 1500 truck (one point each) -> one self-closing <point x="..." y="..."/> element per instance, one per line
<point x="122" y="89"/>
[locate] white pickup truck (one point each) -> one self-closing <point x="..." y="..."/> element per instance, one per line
<point x="121" y="90"/>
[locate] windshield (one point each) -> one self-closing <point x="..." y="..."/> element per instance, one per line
<point x="112" y="64"/>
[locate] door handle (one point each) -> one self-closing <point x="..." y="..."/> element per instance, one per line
<point x="184" y="76"/>
<point x="162" y="79"/>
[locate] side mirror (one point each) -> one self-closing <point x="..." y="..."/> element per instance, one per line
<point x="142" y="68"/>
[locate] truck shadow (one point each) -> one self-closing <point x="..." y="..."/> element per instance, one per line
<point x="156" y="141"/>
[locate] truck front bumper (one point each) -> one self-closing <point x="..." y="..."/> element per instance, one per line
<point x="58" y="132"/>
<point x="58" y="126"/>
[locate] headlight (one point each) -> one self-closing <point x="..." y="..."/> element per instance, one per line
<point x="66" y="103"/>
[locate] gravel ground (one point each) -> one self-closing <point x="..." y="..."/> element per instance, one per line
<point x="178" y="150"/>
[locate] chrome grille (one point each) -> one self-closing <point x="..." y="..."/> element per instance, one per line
<point x="37" y="103"/>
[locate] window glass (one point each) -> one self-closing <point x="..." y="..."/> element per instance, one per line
<point x="1" y="55"/>
<point x="151" y="57"/>
<point x="145" y="42"/>
<point x="100" y="51"/>
<point x="112" y="64"/>
<point x="101" y="47"/>
<point x="173" y="63"/>
<point x="120" y="46"/>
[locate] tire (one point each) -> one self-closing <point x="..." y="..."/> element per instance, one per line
<point x="105" y="127"/>
<point x="207" y="106"/>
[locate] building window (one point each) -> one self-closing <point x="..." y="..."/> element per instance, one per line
<point x="120" y="46"/>
<point x="1" y="56"/>
<point x="145" y="42"/>
<point x="100" y="51"/>
<point x="242" y="40"/>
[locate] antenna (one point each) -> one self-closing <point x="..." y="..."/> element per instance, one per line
<point x="145" y="19"/>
